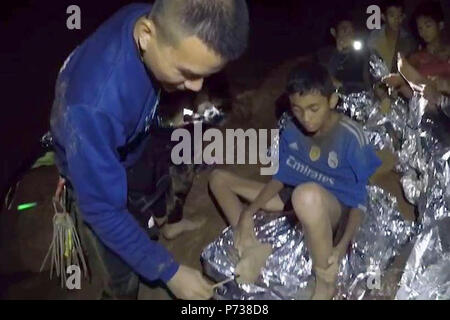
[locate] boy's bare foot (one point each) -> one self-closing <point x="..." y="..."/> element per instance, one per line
<point x="252" y="261"/>
<point x="160" y="221"/>
<point x="324" y="290"/>
<point x="246" y="242"/>
<point x="244" y="235"/>
<point x="172" y="231"/>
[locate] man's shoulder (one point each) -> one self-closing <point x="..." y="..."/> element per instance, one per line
<point x="100" y="53"/>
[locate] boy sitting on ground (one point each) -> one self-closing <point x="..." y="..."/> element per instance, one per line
<point x="325" y="162"/>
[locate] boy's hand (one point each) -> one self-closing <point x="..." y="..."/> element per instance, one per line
<point x="189" y="284"/>
<point x="408" y="71"/>
<point x="337" y="254"/>
<point x="431" y="93"/>
<point x="385" y="105"/>
<point x="393" y="80"/>
<point x="330" y="274"/>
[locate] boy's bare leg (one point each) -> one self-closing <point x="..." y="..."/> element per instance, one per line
<point x="319" y="212"/>
<point x="173" y="230"/>
<point x="227" y="187"/>
<point x="173" y="223"/>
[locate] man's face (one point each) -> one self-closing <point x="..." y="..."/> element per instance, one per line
<point x="179" y="66"/>
<point x="428" y="29"/>
<point x="394" y="18"/>
<point x="345" y="35"/>
<point x="312" y="110"/>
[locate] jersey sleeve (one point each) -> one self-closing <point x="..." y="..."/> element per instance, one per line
<point x="284" y="174"/>
<point x="363" y="162"/>
<point x="362" y="159"/>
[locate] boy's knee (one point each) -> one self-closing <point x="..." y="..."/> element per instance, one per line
<point x="305" y="199"/>
<point x="217" y="178"/>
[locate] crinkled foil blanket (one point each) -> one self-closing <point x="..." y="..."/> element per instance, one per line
<point x="424" y="165"/>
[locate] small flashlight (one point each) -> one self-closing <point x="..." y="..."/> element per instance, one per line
<point x="188" y="112"/>
<point x="357" y="45"/>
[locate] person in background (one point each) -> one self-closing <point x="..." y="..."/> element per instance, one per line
<point x="347" y="61"/>
<point x="430" y="65"/>
<point x="393" y="37"/>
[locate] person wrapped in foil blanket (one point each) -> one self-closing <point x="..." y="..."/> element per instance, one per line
<point x="424" y="165"/>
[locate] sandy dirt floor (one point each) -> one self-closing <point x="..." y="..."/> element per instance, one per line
<point x="25" y="236"/>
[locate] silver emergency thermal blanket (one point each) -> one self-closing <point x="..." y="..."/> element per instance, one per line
<point x="424" y="166"/>
<point x="427" y="272"/>
<point x="287" y="274"/>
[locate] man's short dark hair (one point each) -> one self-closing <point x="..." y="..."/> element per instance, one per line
<point x="429" y="9"/>
<point x="310" y="77"/>
<point x="386" y="4"/>
<point x="223" y="25"/>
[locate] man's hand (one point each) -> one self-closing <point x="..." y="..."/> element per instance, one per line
<point x="189" y="284"/>
<point x="330" y="273"/>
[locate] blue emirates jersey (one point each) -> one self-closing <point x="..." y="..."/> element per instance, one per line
<point x="341" y="162"/>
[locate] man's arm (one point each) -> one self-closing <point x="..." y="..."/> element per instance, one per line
<point x="100" y="185"/>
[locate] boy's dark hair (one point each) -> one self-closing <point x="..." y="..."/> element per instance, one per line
<point x="386" y="4"/>
<point x="223" y="25"/>
<point x="430" y="9"/>
<point x="306" y="78"/>
<point x="338" y="18"/>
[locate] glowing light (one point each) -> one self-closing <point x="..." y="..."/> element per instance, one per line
<point x="26" y="206"/>
<point x="357" y="45"/>
<point x="187" y="112"/>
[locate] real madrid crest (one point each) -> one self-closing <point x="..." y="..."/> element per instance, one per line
<point x="333" y="161"/>
<point x="314" y="153"/>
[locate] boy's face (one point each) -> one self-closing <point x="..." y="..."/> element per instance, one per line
<point x="394" y="18"/>
<point x="312" y="110"/>
<point x="428" y="29"/>
<point x="344" y="35"/>
<point x="177" y="66"/>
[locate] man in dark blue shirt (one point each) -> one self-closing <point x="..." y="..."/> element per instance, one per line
<point x="106" y="97"/>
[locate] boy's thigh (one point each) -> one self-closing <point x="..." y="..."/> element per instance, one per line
<point x="312" y="195"/>
<point x="249" y="189"/>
